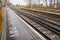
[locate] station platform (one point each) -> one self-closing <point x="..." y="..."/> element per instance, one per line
<point x="18" y="29"/>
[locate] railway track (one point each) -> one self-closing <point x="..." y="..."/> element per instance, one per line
<point x="47" y="29"/>
<point x="42" y="20"/>
<point x="46" y="16"/>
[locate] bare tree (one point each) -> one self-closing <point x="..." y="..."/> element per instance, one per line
<point x="39" y="2"/>
<point x="54" y="4"/>
<point x="50" y="3"/>
<point x="46" y="2"/>
<point x="30" y="3"/>
<point x="58" y="4"/>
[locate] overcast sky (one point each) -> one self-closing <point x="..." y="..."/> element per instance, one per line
<point x="24" y="2"/>
<point x="21" y="2"/>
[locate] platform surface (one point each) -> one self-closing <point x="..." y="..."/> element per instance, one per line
<point x="19" y="30"/>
